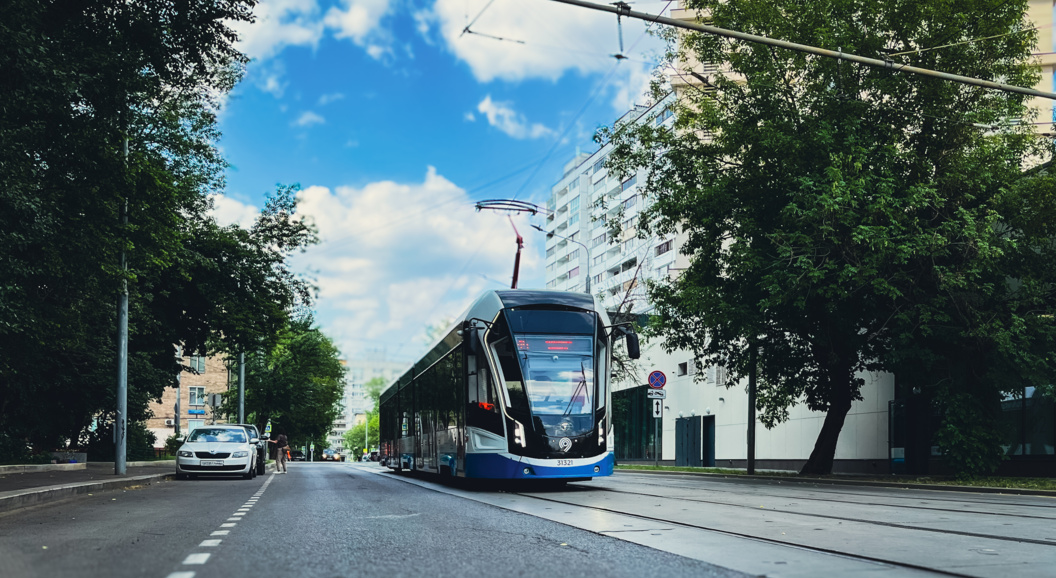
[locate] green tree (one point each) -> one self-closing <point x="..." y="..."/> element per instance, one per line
<point x="840" y="218"/>
<point x="79" y="79"/>
<point x="354" y="437"/>
<point x="296" y="385"/>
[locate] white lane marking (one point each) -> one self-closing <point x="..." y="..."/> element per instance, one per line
<point x="228" y="525"/>
<point x="197" y="558"/>
<point x="243" y="509"/>
<point x="239" y="514"/>
<point x="390" y="517"/>
<point x="220" y="532"/>
<point x="181" y="575"/>
<point x="234" y="519"/>
<point x="209" y="543"/>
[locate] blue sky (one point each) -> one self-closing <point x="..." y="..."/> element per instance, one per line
<point x="395" y="123"/>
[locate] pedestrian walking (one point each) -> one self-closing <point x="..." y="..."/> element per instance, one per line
<point x="280" y="455"/>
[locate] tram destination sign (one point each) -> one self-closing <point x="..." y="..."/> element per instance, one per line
<point x="656" y="394"/>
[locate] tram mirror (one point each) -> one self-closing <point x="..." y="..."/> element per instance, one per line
<point x="634" y="350"/>
<point x="472" y="342"/>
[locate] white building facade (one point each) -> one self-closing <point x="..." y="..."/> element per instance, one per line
<point x="354" y="402"/>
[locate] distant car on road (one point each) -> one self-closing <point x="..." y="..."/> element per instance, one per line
<point x="331" y="456"/>
<point x="296" y="455"/>
<point x="217" y="449"/>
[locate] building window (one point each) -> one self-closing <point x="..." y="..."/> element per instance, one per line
<point x="683" y="368"/>
<point x="597" y="279"/>
<point x="197" y="363"/>
<point x="629" y="182"/>
<point x="197" y="395"/>
<point x="664" y="115"/>
<point x="629" y="203"/>
<point x="573" y="220"/>
<point x="574" y="184"/>
<point x="599" y="165"/>
<point x="573" y="205"/>
<point x="574" y="272"/>
<point x="599" y="259"/>
<point x="598" y="240"/>
<point x="573" y="236"/>
<point x="193" y="424"/>
<point x="551" y="284"/>
<point x="550" y="252"/>
<point x="573" y="255"/>
<point x="663" y="248"/>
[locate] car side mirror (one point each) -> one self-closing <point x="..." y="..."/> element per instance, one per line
<point x="182" y="438"/>
<point x="254" y="440"/>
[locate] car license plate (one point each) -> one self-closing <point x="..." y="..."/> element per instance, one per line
<point x="212" y="462"/>
<point x="564" y="462"/>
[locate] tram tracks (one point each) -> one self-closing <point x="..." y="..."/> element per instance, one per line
<point x="921" y="504"/>
<point x="752" y="537"/>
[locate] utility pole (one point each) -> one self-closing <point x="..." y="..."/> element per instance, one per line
<point x="242" y="387"/>
<point x="753" y="360"/>
<point x="179" y="392"/>
<point x="120" y="420"/>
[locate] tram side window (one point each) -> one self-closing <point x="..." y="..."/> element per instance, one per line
<point x="482" y="403"/>
<point x="511" y="374"/>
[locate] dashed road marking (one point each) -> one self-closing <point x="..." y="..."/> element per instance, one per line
<point x="210" y="543"/>
<point x="181" y="575"/>
<point x="196" y="558"/>
<point x="228" y="525"/>
<point x="220" y="532"/>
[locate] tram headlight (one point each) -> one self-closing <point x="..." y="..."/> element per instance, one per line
<point x="518" y="434"/>
<point x="601" y="433"/>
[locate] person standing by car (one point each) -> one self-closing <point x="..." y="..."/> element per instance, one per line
<point x="280" y="456"/>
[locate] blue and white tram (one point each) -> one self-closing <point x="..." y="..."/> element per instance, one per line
<point x="518" y="388"/>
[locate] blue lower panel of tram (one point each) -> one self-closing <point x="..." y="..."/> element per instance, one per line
<point x="509" y="466"/>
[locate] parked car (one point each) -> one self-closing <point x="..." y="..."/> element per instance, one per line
<point x="296" y="455"/>
<point x="262" y="446"/>
<point x="217" y="449"/>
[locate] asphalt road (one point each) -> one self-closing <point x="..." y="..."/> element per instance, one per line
<point x="318" y="520"/>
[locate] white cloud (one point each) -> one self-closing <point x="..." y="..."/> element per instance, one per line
<point x="308" y="118"/>
<point x="332" y="97"/>
<point x="556" y="38"/>
<point x="280" y="23"/>
<point x="396" y="257"/>
<point x="360" y="22"/>
<point x="228" y="211"/>
<point x="509" y="121"/>
<point x="469" y="117"/>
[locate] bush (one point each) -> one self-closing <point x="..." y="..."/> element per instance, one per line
<point x="172" y="444"/>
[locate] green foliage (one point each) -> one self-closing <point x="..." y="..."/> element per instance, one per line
<point x="296" y="384"/>
<point x="173" y="443"/>
<point x="80" y="81"/>
<point x="354" y="437"/>
<point x="100" y="444"/>
<point x="842" y="218"/>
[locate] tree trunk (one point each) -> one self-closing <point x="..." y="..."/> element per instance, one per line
<point x="820" y="462"/>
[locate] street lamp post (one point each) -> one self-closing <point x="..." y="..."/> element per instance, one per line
<point x="586" y="251"/>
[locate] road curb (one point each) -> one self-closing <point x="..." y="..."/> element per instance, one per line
<point x="31" y="497"/>
<point x="26" y="468"/>
<point x="865" y="483"/>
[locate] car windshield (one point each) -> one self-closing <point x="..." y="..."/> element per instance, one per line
<point x="218" y="435"/>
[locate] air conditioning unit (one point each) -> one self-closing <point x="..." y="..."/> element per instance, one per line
<point x="170" y="422"/>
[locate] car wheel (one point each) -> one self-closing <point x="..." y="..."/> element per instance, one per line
<point x="248" y="475"/>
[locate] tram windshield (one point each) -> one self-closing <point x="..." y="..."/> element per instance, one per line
<point x="560" y="385"/>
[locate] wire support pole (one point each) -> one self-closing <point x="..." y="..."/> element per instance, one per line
<point x="121" y="419"/>
<point x="874" y="62"/>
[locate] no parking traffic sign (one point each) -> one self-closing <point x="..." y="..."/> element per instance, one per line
<point x="657" y="379"/>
